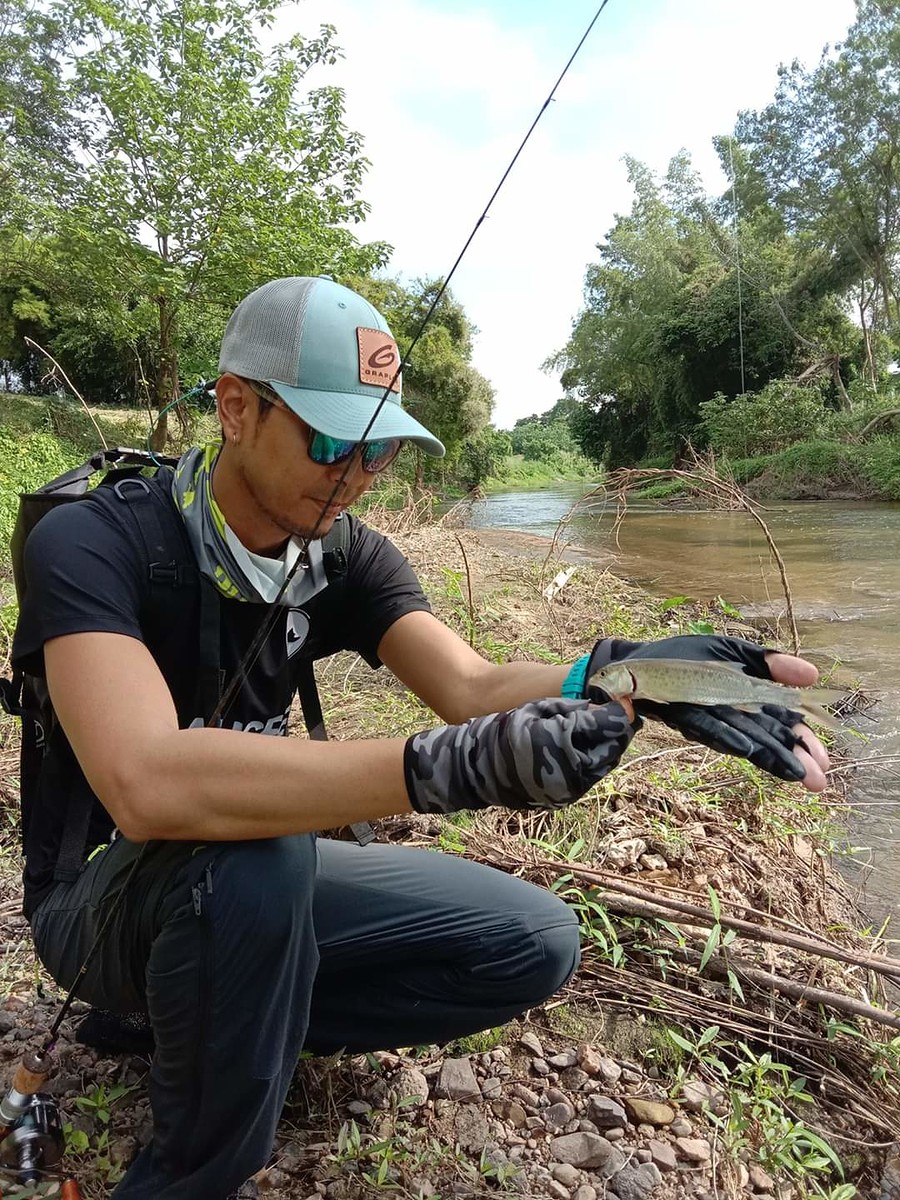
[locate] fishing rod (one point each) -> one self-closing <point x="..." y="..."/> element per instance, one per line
<point x="30" y="1131"/>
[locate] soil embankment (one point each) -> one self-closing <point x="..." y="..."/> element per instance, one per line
<point x="679" y="1062"/>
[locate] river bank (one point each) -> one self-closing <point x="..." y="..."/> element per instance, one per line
<point x="675" y="1064"/>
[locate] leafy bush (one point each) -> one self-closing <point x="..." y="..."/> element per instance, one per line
<point x="779" y="415"/>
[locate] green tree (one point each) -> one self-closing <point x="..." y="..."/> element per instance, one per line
<point x="828" y="147"/>
<point x="441" y="388"/>
<point x="204" y="167"/>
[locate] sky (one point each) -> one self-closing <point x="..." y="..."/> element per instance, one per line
<point x="443" y="92"/>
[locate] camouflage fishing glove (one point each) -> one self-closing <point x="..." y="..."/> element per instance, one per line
<point x="541" y="755"/>
<point x="765" y="738"/>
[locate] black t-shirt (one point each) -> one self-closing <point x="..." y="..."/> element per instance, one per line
<point x="86" y="570"/>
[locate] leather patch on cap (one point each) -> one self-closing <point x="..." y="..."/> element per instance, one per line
<point x="379" y="358"/>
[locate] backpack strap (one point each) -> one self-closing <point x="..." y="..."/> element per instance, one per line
<point x="170" y="567"/>
<point x="335" y="547"/>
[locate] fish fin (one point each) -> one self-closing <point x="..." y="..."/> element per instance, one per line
<point x="819" y="716"/>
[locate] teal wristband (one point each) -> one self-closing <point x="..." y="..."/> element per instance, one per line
<point x="576" y="680"/>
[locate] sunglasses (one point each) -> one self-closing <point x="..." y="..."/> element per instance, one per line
<point x="326" y="451"/>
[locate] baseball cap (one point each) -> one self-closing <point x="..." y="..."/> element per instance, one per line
<point x="328" y="354"/>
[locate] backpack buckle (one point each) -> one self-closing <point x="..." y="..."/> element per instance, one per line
<point x="166" y="574"/>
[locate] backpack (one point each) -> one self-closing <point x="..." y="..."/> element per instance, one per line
<point x="170" y="567"/>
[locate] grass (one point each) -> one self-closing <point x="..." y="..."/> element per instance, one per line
<point x="718" y="823"/>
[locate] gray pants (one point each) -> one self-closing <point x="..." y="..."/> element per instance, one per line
<point x="244" y="953"/>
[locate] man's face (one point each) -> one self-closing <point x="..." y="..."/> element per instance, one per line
<point x="280" y="490"/>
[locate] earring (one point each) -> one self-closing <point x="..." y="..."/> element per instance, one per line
<point x="234" y="438"/>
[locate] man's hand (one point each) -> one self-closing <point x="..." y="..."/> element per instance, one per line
<point x="774" y="739"/>
<point x="541" y="755"/>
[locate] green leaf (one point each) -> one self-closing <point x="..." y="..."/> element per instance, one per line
<point x="712" y="944"/>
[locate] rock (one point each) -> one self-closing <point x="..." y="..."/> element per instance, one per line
<point x="457" y="1081"/>
<point x="567" y="1058"/>
<point x="610" y="1071"/>
<point x="491" y="1087"/>
<point x="471" y="1126"/>
<point x="585" y="1192"/>
<point x="7" y="1021"/>
<point x="696" y="1095"/>
<point x="555" y="1096"/>
<point x="531" y="1044"/>
<point x="557" y="1190"/>
<point x="558" y="1115"/>
<point x="648" y="1112"/>
<point x="574" y="1078"/>
<point x="411" y="1086"/>
<point x="762" y="1181"/>
<point x="526" y="1095"/>
<point x="635" y="1183"/>
<point x="565" y="1173"/>
<point x="891" y="1179"/>
<point x="653" y="862"/>
<point x="588" y="1151"/>
<point x="693" y="1149"/>
<point x="540" y="1067"/>
<point x="626" y="853"/>
<point x="510" y="1111"/>
<point x="607" y="1113"/>
<point x="630" y="1075"/>
<point x="588" y="1059"/>
<point x="614" y="1135"/>
<point x="359" y="1108"/>
<point x="681" y="1127"/>
<point x="662" y="1155"/>
<point x="643" y="1155"/>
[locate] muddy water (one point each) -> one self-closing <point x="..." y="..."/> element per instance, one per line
<point x="843" y="563"/>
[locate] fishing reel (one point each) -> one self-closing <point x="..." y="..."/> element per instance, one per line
<point x="31" y="1133"/>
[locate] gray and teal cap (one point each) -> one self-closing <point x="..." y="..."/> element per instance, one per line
<point x="328" y="354"/>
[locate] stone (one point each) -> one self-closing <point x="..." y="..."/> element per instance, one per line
<point x="643" y="1155"/>
<point x="567" y="1058"/>
<point x="574" y="1078"/>
<point x="614" y="1135"/>
<point x="411" y="1086"/>
<point x="585" y="1192"/>
<point x="635" y="1183"/>
<point x="7" y="1021"/>
<point x="695" y="1150"/>
<point x="530" y="1042"/>
<point x="457" y="1081"/>
<point x="610" y="1071"/>
<point x="648" y="1112"/>
<point x="510" y="1111"/>
<point x="681" y="1127"/>
<point x="588" y="1059"/>
<point x="359" y="1108"/>
<point x="696" y="1095"/>
<point x="565" y="1173"/>
<point x="558" y="1115"/>
<point x="653" y="862"/>
<point x="540" y="1067"/>
<point x="625" y="854"/>
<point x="491" y="1087"/>
<point x="589" y="1152"/>
<point x="630" y="1075"/>
<point x="525" y="1094"/>
<point x="558" y="1190"/>
<point x="471" y="1127"/>
<point x="761" y="1180"/>
<point x="607" y="1113"/>
<point x="662" y="1155"/>
<point x="555" y="1096"/>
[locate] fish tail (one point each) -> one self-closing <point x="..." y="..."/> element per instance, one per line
<point x="819" y="715"/>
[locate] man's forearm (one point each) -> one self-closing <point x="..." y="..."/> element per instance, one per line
<point x="508" y="685"/>
<point x="222" y="785"/>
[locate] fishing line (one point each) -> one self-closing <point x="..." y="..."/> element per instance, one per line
<point x="241" y="672"/>
<point x="268" y="624"/>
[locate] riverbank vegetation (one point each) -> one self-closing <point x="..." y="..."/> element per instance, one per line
<point x="762" y="323"/>
<point x="732" y="1017"/>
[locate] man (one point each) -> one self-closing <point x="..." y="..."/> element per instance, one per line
<point x="243" y="936"/>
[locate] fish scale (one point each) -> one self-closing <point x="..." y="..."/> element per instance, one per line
<point x="685" y="681"/>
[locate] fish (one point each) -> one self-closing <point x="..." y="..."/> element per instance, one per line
<point x="685" y="681"/>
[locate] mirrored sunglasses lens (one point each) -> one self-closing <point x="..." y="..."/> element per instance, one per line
<point x="326" y="450"/>
<point x="379" y="455"/>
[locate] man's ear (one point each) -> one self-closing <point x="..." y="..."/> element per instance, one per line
<point x="236" y="406"/>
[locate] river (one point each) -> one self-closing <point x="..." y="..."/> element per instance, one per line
<point x="842" y="564"/>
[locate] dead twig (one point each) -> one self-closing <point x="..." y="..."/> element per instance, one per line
<point x="31" y="342"/>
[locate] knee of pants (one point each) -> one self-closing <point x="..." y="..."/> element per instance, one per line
<point x="265" y="886"/>
<point x="536" y="961"/>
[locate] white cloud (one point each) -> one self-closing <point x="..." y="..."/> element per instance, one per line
<point x="443" y="98"/>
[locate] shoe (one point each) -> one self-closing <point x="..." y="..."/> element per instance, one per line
<point x="116" y="1033"/>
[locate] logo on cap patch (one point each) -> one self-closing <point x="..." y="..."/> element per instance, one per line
<point x="378" y="358"/>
